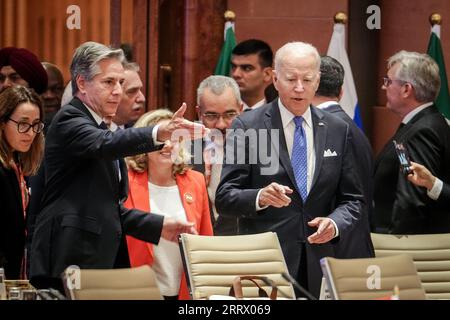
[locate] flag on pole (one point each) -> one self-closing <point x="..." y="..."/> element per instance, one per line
<point x="336" y="50"/>
<point x="435" y="51"/>
<point x="224" y="64"/>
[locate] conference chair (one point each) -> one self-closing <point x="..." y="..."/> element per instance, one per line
<point x="111" y="284"/>
<point x="372" y="278"/>
<point x="431" y="256"/>
<point x="211" y="263"/>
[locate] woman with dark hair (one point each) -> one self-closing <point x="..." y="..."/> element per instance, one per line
<point x="21" y="151"/>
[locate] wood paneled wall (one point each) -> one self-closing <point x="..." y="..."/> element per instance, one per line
<point x="278" y="22"/>
<point x="40" y="26"/>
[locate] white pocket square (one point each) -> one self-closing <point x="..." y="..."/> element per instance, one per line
<point x="329" y="153"/>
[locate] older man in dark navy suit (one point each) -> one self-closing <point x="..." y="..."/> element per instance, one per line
<point x="296" y="177"/>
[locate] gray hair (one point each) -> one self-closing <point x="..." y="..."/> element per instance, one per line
<point x="217" y="85"/>
<point x="86" y="59"/>
<point x="420" y="70"/>
<point x="296" y="50"/>
<point x="131" y="66"/>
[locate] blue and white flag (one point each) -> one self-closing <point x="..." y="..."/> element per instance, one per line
<point x="336" y="49"/>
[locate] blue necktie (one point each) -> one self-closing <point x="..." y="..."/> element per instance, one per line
<point x="299" y="158"/>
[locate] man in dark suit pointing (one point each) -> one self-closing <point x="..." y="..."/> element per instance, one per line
<point x="82" y="221"/>
<point x="307" y="193"/>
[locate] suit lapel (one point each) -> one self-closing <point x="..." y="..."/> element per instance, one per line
<point x="320" y="129"/>
<point x="273" y="121"/>
<point x="401" y="134"/>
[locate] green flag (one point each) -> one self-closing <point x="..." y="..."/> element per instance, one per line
<point x="435" y="51"/>
<point x="224" y="64"/>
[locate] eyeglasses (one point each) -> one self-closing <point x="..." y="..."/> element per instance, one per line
<point x="387" y="81"/>
<point x="23" y="127"/>
<point x="214" y="117"/>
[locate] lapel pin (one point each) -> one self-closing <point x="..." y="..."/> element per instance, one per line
<point x="189" y="198"/>
<point x="321" y="124"/>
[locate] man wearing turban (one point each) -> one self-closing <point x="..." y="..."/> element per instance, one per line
<point x="19" y="66"/>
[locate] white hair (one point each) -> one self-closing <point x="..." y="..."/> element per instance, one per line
<point x="296" y="50"/>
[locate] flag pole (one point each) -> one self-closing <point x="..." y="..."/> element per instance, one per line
<point x="340" y="17"/>
<point x="337" y="50"/>
<point x="435" y="51"/>
<point x="436" y="21"/>
<point x="223" y="64"/>
<point x="230" y="17"/>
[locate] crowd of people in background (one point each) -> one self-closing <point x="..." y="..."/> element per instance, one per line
<point x="82" y="164"/>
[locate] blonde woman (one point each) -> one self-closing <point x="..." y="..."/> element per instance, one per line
<point x="158" y="184"/>
<point x="21" y="150"/>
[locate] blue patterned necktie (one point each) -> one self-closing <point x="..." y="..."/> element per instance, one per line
<point x="299" y="158"/>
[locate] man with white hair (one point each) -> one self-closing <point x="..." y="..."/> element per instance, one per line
<point x="312" y="196"/>
<point x="83" y="221"/>
<point x="412" y="84"/>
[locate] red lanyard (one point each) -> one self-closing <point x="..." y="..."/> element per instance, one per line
<point x="23" y="186"/>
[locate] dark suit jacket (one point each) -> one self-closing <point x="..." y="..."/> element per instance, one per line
<point x="358" y="244"/>
<point x="12" y="224"/>
<point x="401" y="207"/>
<point x="335" y="190"/>
<point x="82" y="220"/>
<point x="444" y="197"/>
<point x="223" y="225"/>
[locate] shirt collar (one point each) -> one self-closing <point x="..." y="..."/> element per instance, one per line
<point x="326" y="104"/>
<point x="412" y="113"/>
<point x="256" y="105"/>
<point x="96" y="117"/>
<point x="287" y="116"/>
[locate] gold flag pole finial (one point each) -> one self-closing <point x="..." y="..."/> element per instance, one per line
<point x="340" y="17"/>
<point x="229" y="16"/>
<point x="435" y="18"/>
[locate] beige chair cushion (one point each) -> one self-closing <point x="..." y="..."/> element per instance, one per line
<point x="112" y="284"/>
<point x="353" y="279"/>
<point x="431" y="255"/>
<point x="212" y="262"/>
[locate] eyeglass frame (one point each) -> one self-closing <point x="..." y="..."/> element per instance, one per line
<point x="225" y="116"/>
<point x="388" y="81"/>
<point x="30" y="126"/>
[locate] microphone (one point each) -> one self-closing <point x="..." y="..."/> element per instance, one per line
<point x="292" y="281"/>
<point x="271" y="283"/>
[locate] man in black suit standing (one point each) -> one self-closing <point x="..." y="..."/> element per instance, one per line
<point x="357" y="243"/>
<point x="82" y="221"/>
<point x="412" y="84"/>
<point x="291" y="169"/>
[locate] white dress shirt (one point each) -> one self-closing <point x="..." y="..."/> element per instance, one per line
<point x="256" y="105"/>
<point x="287" y="120"/>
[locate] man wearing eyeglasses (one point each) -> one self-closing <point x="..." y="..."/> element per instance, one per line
<point x="219" y="103"/>
<point x="412" y="84"/>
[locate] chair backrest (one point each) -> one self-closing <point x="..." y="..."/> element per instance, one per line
<point x="212" y="263"/>
<point x="431" y="256"/>
<point x="372" y="278"/>
<point x="111" y="284"/>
